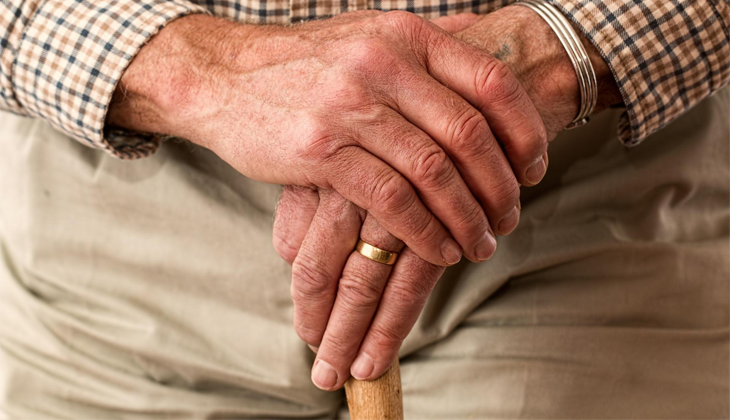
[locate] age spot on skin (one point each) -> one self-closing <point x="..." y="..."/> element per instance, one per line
<point x="502" y="53"/>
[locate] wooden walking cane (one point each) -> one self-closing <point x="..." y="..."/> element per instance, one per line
<point x="376" y="400"/>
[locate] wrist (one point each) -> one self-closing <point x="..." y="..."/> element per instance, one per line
<point x="171" y="87"/>
<point x="526" y="43"/>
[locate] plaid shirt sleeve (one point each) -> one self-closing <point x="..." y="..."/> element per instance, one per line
<point x="60" y="60"/>
<point x="666" y="55"/>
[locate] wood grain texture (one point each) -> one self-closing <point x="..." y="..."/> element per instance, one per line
<point x="378" y="399"/>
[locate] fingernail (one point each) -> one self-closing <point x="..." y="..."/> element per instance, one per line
<point x="324" y="376"/>
<point x="451" y="251"/>
<point x="486" y="246"/>
<point x="314" y="349"/>
<point x="509" y="222"/>
<point x="536" y="171"/>
<point x="363" y="367"/>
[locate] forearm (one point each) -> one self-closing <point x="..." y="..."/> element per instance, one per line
<point x="63" y="70"/>
<point x="177" y="78"/>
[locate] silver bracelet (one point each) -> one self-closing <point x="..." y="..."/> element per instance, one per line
<point x="577" y="53"/>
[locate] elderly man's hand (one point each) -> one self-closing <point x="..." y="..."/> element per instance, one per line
<point x="358" y="315"/>
<point x="387" y="109"/>
<point x="363" y="311"/>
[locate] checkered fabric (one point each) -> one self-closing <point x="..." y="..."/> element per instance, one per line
<point x="61" y="59"/>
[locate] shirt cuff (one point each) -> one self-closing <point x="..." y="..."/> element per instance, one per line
<point x="72" y="56"/>
<point x="665" y="56"/>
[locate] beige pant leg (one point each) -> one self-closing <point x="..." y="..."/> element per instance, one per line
<point x="610" y="300"/>
<point x="150" y="288"/>
<point x="143" y="289"/>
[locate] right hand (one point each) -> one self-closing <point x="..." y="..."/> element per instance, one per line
<point x="387" y="109"/>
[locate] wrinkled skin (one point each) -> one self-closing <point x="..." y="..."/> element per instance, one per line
<point x="355" y="312"/>
<point x="388" y="125"/>
<point x="387" y="109"/>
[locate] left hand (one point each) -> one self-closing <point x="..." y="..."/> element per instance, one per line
<point x="357" y="312"/>
<point x="335" y="308"/>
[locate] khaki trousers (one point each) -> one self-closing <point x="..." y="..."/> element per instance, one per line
<point x="150" y="289"/>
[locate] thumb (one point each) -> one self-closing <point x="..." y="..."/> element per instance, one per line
<point x="456" y="23"/>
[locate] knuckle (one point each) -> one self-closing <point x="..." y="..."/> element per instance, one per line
<point x="491" y="152"/>
<point x="473" y="219"/>
<point x="402" y="19"/>
<point x="310" y="280"/>
<point x="320" y="141"/>
<point x="308" y="333"/>
<point x="506" y="194"/>
<point x="434" y="168"/>
<point x="386" y="335"/>
<point x="394" y="197"/>
<point x="496" y="81"/>
<point x="531" y="144"/>
<point x="339" y="345"/>
<point x="393" y="194"/>
<point x="412" y="294"/>
<point x="284" y="248"/>
<point x="431" y="230"/>
<point x="359" y="291"/>
<point x="335" y="209"/>
<point x="412" y="27"/>
<point x="366" y="53"/>
<point x="425" y="232"/>
<point x="468" y="131"/>
<point x="349" y="92"/>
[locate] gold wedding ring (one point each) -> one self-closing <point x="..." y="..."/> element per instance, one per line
<point x="376" y="254"/>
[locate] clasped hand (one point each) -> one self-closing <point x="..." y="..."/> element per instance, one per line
<point x="391" y="128"/>
<point x="354" y="312"/>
